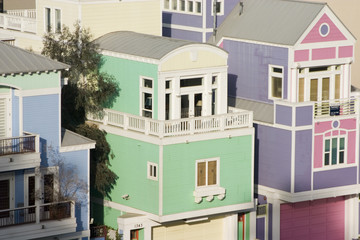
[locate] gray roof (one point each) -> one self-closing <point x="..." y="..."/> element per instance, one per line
<point x="69" y="138"/>
<point x="138" y="44"/>
<point x="17" y="60"/>
<point x="263" y="112"/>
<point x="272" y="21"/>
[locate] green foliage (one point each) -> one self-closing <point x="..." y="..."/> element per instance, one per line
<point x="88" y="91"/>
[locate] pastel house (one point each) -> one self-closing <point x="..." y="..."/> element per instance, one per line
<point x="31" y="142"/>
<point x="184" y="160"/>
<point x="290" y="62"/>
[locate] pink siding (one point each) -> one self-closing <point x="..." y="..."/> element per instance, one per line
<point x="301" y="55"/>
<point x="320" y="219"/>
<point x="318" y="151"/>
<point x="349" y="124"/>
<point x="314" y="35"/>
<point x="321" y="127"/>
<point x="346" y="51"/>
<point x="323" y="53"/>
<point x="335" y="132"/>
<point x="328" y="134"/>
<point x="351" y="147"/>
<point x="221" y="45"/>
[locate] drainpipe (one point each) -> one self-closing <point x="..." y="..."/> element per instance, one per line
<point x="215" y="23"/>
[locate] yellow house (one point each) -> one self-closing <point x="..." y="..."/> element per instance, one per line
<point x="28" y="26"/>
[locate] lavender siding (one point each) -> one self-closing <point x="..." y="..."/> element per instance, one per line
<point x="304" y="116"/>
<point x="272" y="157"/>
<point x="284" y="115"/>
<point x="335" y="178"/>
<point x="260" y="228"/>
<point x="182" y="19"/>
<point x="303" y="144"/>
<point x="248" y="69"/>
<point x="182" y="34"/>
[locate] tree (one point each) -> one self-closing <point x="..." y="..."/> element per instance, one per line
<point x="88" y="91"/>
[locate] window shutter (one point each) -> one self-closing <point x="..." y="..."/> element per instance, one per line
<point x="212" y="173"/>
<point x="201" y="168"/>
<point x="3" y="116"/>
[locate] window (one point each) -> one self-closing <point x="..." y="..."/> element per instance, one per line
<point x="207" y="172"/>
<point x="57" y="20"/>
<point x="184" y="6"/>
<point x="276" y="77"/>
<point x="47" y="19"/>
<point x="146" y="97"/>
<point x="191" y="82"/>
<point x="334" y="151"/>
<point x="219" y="7"/>
<point x="152" y="169"/>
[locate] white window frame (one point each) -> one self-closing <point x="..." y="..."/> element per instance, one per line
<point x="337" y="164"/>
<point x="46" y="20"/>
<point x="186" y="10"/>
<point x="144" y="90"/>
<point x="8" y="114"/>
<point x="278" y="75"/>
<point x="48" y="171"/>
<point x="150" y="169"/>
<point x="55" y="23"/>
<point x="217" y="159"/>
<point x="11" y="178"/>
<point x="221" y="13"/>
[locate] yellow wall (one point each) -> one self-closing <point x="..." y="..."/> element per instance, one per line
<point x="184" y="60"/>
<point x="209" y="230"/>
<point x="137" y="16"/>
<point x="348" y="12"/>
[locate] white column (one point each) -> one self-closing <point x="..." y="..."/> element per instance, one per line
<point x="292" y="85"/>
<point x="346" y="81"/>
<point x="253" y="225"/>
<point x="38" y="196"/>
<point x="176" y="103"/>
<point x="147" y="233"/>
<point x="351" y="217"/>
<point x="231" y="227"/>
<point x="207" y="94"/>
<point x="276" y="219"/>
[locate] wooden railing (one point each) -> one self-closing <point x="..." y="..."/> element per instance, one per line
<point x="183" y="126"/>
<point x="28" y="13"/>
<point x="25" y="215"/>
<point x="15" y="145"/>
<point x="336" y="107"/>
<point x="12" y="22"/>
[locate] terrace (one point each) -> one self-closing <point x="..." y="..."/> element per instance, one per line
<point x="23" y="20"/>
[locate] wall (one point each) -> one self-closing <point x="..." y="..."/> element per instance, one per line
<point x="19" y="4"/>
<point x="248" y="69"/>
<point x="127" y="73"/>
<point x="179" y="170"/>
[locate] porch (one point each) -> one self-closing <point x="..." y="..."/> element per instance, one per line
<point x="178" y="127"/>
<point x="23" y="20"/>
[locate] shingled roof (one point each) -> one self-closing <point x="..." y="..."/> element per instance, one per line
<point x="138" y="44"/>
<point x="17" y="60"/>
<point x="272" y="21"/>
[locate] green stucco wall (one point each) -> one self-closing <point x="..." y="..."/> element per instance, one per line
<point x="32" y="81"/>
<point x="105" y="215"/>
<point x="127" y="73"/>
<point x="130" y="165"/>
<point x="179" y="172"/>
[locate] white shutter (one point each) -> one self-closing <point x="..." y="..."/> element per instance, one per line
<point x="3" y="117"/>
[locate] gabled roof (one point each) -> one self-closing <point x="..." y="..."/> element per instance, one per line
<point x="272" y="21"/>
<point x="138" y="44"/>
<point x="17" y="60"/>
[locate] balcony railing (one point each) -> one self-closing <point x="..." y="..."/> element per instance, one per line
<point x="13" y="22"/>
<point x="28" y="13"/>
<point x="184" y="126"/>
<point x="336" y="107"/>
<point x="26" y="215"/>
<point x="15" y="145"/>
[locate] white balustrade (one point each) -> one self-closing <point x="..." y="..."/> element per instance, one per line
<point x="13" y="22"/>
<point x="346" y="106"/>
<point x="183" y="126"/>
<point x="28" y="13"/>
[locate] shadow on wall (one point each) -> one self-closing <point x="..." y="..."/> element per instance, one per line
<point x="232" y="80"/>
<point x="167" y="18"/>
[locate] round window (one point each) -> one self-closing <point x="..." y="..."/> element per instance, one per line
<point x="324" y="29"/>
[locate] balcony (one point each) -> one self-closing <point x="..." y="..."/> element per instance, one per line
<point x="19" y="152"/>
<point x="38" y="221"/>
<point x="336" y="107"/>
<point x="23" y="20"/>
<point x="178" y="127"/>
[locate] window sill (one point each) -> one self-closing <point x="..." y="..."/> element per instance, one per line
<point x="209" y="193"/>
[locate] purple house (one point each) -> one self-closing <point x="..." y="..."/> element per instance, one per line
<point x="290" y="62"/>
<point x="194" y="20"/>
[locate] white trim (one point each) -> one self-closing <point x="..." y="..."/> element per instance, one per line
<point x="207" y="160"/>
<point x="186" y="7"/>
<point x="161" y="175"/>
<point x="37" y="92"/>
<point x="79" y="147"/>
<point x="178" y="216"/>
<point x="187" y="28"/>
<point x="11" y="177"/>
<point x="221" y="13"/>
<point x="254" y="42"/>
<point x="146" y="90"/>
<point x="129" y="57"/>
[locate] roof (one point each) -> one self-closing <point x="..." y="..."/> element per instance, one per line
<point x="138" y="44"/>
<point x="69" y="138"/>
<point x="17" y="60"/>
<point x="272" y="21"/>
<point x="263" y="112"/>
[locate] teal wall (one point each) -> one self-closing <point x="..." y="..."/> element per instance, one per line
<point x="127" y="73"/>
<point x="130" y="164"/>
<point x="32" y="81"/>
<point x="105" y="215"/>
<point x="179" y="172"/>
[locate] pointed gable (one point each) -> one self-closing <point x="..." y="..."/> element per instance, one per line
<point x="324" y="31"/>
